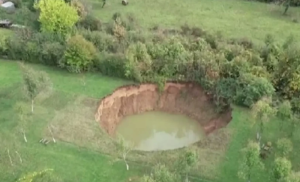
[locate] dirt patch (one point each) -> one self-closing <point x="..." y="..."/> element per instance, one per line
<point x="183" y="98"/>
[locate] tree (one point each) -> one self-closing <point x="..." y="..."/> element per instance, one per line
<point x="124" y="148"/>
<point x="293" y="177"/>
<point x="284" y="147"/>
<point x="287" y="4"/>
<point x="56" y="16"/>
<point x="282" y="168"/>
<point x="251" y="161"/>
<point x="20" y="109"/>
<point x="285" y="110"/>
<point x="262" y="112"/>
<point x="160" y="174"/>
<point x="35" y="82"/>
<point x="186" y="161"/>
<point x="285" y="113"/>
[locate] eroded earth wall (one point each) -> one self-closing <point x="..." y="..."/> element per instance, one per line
<point x="180" y="98"/>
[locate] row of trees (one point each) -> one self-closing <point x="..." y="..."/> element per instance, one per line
<point x="281" y="169"/>
<point x="233" y="70"/>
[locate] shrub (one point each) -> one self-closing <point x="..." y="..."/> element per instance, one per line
<point x="56" y="16"/>
<point x="282" y="168"/>
<point x="79" y="54"/>
<point x="138" y="62"/>
<point x="111" y="64"/>
<point x="251" y="89"/>
<point x="295" y="102"/>
<point x="81" y="12"/>
<point x="101" y="40"/>
<point x="235" y="67"/>
<point x="51" y="53"/>
<point x="35" y="47"/>
<point x="285" y="110"/>
<point x="287" y="77"/>
<point x="119" y="30"/>
<point x="15" y="48"/>
<point x="90" y="23"/>
<point x="3" y="46"/>
<point x="284" y="146"/>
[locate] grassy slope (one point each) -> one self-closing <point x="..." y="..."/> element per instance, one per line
<point x="72" y="163"/>
<point x="234" y="18"/>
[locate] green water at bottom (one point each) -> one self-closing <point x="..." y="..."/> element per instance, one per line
<point x="152" y="131"/>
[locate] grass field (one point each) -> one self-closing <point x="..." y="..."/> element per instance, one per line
<point x="233" y="18"/>
<point x="71" y="162"/>
<point x="79" y="154"/>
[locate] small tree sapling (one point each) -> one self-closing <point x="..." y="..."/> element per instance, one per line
<point x="124" y="148"/>
<point x="35" y="82"/>
<point x="20" y="109"/>
<point x="282" y="168"/>
<point x="186" y="161"/>
<point x="251" y="161"/>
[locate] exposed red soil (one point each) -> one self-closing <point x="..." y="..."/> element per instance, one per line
<point x="180" y="98"/>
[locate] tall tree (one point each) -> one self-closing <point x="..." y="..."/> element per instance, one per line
<point x="251" y="161"/>
<point x="56" y="16"/>
<point x="35" y="82"/>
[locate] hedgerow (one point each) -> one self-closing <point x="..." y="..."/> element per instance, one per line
<point x="233" y="70"/>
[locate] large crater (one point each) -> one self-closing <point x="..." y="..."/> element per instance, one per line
<point x="187" y="99"/>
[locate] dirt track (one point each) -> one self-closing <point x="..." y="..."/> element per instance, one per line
<point x="184" y="98"/>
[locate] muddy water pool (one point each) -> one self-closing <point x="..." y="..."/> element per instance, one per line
<point x="153" y="131"/>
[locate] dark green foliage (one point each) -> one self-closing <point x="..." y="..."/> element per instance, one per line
<point x="111" y="65"/>
<point x="90" y="23"/>
<point x="252" y="88"/>
<point x="35" y="47"/>
<point x="101" y="40"/>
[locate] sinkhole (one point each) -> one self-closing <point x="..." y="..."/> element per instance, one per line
<point x="179" y="115"/>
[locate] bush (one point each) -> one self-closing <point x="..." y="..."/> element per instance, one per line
<point x="79" y="55"/>
<point x="51" y="53"/>
<point x="81" y="11"/>
<point x="138" y="62"/>
<point x="111" y="65"/>
<point x="3" y="46"/>
<point x="251" y="88"/>
<point x="101" y="40"/>
<point x="285" y="110"/>
<point x="90" y="23"/>
<point x="35" y="47"/>
<point x="295" y="102"/>
<point x="284" y="147"/>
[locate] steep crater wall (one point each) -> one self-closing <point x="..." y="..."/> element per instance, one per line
<point x="180" y="98"/>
